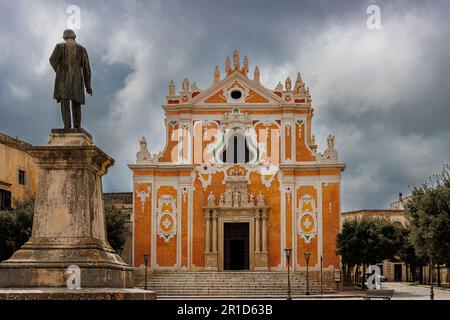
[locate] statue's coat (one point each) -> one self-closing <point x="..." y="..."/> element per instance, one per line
<point x="70" y="85"/>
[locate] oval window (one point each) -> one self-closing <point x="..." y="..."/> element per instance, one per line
<point x="236" y="94"/>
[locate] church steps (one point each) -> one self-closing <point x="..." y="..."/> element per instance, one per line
<point x="244" y="284"/>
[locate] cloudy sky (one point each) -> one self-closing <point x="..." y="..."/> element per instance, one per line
<point x="384" y="94"/>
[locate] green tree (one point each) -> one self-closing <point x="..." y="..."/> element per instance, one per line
<point x="367" y="241"/>
<point x="407" y="253"/>
<point x="115" y="227"/>
<point x="16" y="225"/>
<point x="348" y="247"/>
<point x="428" y="212"/>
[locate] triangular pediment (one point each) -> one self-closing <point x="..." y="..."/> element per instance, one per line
<point x="252" y="92"/>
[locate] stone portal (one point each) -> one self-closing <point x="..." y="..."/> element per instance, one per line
<point x="223" y="241"/>
<point x="236" y="246"/>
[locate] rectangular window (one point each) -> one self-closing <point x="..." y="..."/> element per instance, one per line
<point x="22" y="177"/>
<point x="5" y="199"/>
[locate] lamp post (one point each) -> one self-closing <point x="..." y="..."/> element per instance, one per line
<point x="146" y="264"/>
<point x="307" y="255"/>
<point x="288" y="251"/>
<point x="321" y="275"/>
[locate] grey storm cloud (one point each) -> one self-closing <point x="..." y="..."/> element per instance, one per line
<point x="383" y="93"/>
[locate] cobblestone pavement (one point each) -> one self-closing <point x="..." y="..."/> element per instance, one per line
<point x="406" y="291"/>
<point x="402" y="291"/>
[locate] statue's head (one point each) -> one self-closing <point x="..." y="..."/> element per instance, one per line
<point x="69" y="34"/>
<point x="330" y="141"/>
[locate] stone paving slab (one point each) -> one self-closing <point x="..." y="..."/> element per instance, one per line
<point x="76" y="294"/>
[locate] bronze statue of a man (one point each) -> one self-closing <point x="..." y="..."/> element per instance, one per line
<point x="73" y="74"/>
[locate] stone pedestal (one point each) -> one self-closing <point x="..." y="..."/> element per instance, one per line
<point x="211" y="261"/>
<point x="69" y="222"/>
<point x="261" y="261"/>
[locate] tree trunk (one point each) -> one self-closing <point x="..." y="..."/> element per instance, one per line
<point x="439" y="275"/>
<point x="421" y="277"/>
<point x="431" y="280"/>
<point x="363" y="278"/>
<point x="407" y="273"/>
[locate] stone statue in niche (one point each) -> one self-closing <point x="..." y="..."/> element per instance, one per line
<point x="252" y="200"/>
<point x="261" y="201"/>
<point x="237" y="199"/>
<point x="330" y="153"/>
<point x="288" y="84"/>
<point x="171" y="89"/>
<point x="185" y="85"/>
<point x="222" y="200"/>
<point x="245" y="66"/>
<point x="244" y="199"/>
<point x="279" y="87"/>
<point x="256" y="75"/>
<point x="228" y="65"/>
<point x="216" y="74"/>
<point x="299" y="85"/>
<point x="229" y="198"/>
<point x="194" y="87"/>
<point x="236" y="60"/>
<point x="143" y="154"/>
<point x="211" y="200"/>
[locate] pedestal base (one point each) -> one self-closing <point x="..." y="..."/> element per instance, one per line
<point x="25" y="275"/>
<point x="68" y="222"/>
<point x="211" y="261"/>
<point x="74" y="294"/>
<point x="261" y="261"/>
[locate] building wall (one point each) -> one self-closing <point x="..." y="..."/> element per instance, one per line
<point x="174" y="186"/>
<point x="13" y="158"/>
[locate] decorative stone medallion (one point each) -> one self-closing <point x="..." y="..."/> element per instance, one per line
<point x="307" y="218"/>
<point x="167" y="217"/>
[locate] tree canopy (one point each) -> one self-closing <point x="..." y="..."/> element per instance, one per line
<point x="368" y="241"/>
<point x="115" y="227"/>
<point x="428" y="212"/>
<point x="15" y="227"/>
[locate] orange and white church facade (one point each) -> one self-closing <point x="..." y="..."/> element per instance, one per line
<point x="239" y="180"/>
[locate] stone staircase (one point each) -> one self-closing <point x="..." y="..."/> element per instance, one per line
<point x="230" y="284"/>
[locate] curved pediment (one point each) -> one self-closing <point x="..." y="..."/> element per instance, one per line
<point x="236" y="89"/>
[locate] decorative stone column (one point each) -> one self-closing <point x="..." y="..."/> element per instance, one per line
<point x="214" y="232"/>
<point x="211" y="239"/>
<point x="207" y="232"/>
<point x="69" y="222"/>
<point x="257" y="233"/>
<point x="261" y="253"/>
<point x="264" y="230"/>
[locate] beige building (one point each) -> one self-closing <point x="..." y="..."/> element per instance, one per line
<point x="18" y="173"/>
<point x="393" y="270"/>
<point x="124" y="202"/>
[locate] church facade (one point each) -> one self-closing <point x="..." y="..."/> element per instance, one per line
<point x="239" y="181"/>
